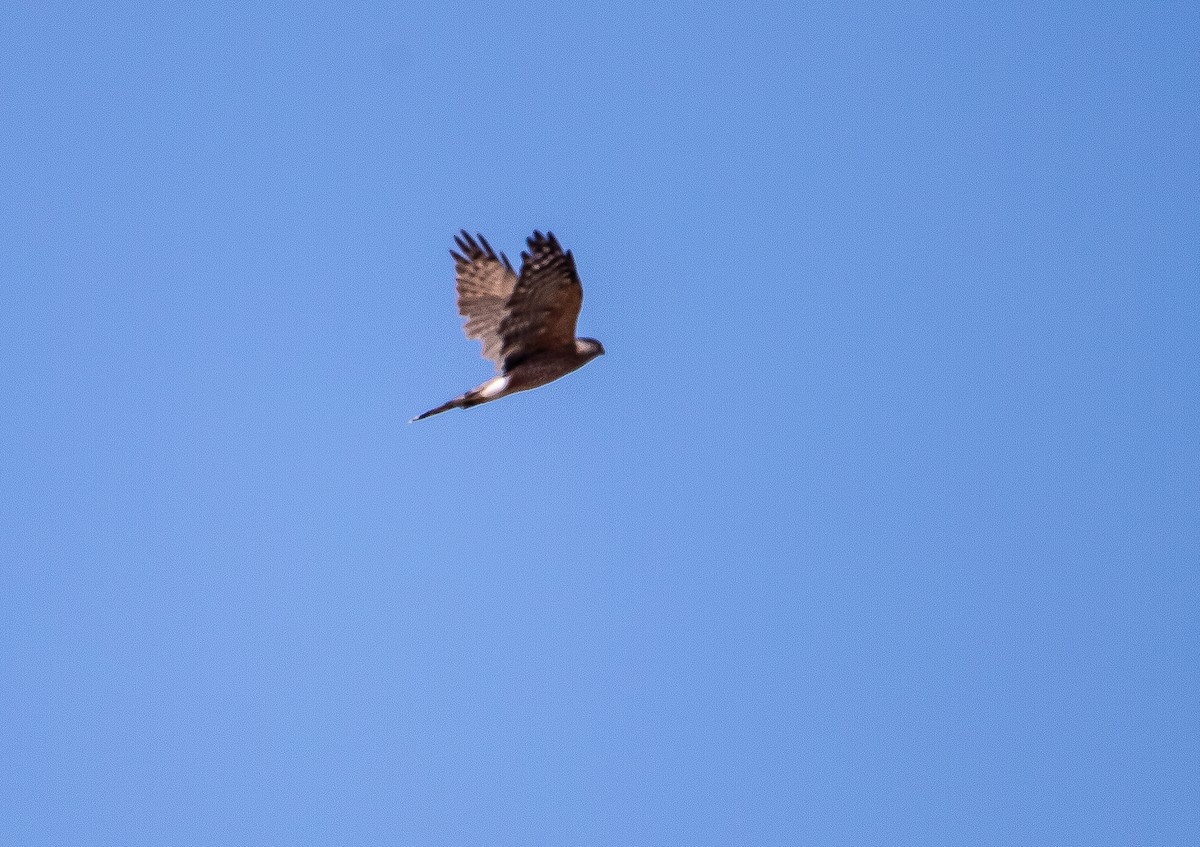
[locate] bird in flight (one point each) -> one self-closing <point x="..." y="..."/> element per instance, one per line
<point x="526" y="323"/>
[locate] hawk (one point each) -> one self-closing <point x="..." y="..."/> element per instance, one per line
<point x="526" y="323"/>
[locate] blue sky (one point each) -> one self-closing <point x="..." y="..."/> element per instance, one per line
<point x="878" y="524"/>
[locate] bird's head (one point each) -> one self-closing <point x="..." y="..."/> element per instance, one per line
<point x="589" y="347"/>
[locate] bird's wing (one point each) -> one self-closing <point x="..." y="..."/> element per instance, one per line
<point x="485" y="282"/>
<point x="545" y="304"/>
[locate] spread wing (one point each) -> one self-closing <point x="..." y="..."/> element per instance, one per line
<point x="485" y="282"/>
<point x="545" y="303"/>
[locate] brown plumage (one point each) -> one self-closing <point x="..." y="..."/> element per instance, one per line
<point x="526" y="323"/>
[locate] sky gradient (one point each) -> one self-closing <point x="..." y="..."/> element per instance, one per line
<point x="878" y="523"/>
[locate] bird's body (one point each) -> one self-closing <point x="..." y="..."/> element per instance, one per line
<point x="534" y="372"/>
<point x="526" y="323"/>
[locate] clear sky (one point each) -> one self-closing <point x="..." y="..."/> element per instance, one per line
<point x="878" y="524"/>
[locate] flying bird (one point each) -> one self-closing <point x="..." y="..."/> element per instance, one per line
<point x="526" y="323"/>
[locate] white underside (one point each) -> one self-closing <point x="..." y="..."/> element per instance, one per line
<point x="493" y="387"/>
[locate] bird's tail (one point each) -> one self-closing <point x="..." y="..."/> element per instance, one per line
<point x="456" y="403"/>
